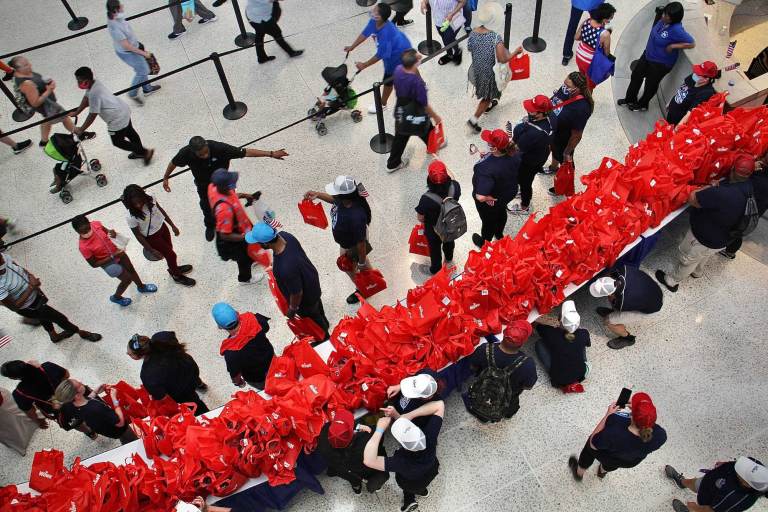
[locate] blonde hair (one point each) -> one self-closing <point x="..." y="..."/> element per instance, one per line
<point x="65" y="393"/>
<point x="646" y="434"/>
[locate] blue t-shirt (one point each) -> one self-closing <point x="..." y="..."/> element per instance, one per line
<point x="410" y="86"/>
<point x="586" y="5"/>
<point x="294" y="272"/>
<point x="349" y="225"/>
<point x="661" y="36"/>
<point x="721" y="490"/>
<point x="533" y="139"/>
<point x="390" y="44"/>
<point x="617" y="441"/>
<point x="721" y="209"/>
<point x="496" y="176"/>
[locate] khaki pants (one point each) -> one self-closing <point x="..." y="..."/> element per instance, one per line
<point x="691" y="257"/>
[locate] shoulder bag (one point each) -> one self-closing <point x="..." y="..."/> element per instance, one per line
<point x="147" y="253"/>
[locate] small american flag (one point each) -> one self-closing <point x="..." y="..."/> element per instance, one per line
<point x="732" y="66"/>
<point x="272" y="222"/>
<point x="4" y="339"/>
<point x="729" y="51"/>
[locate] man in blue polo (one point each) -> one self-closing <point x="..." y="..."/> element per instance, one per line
<point x="390" y="44"/>
<point x="633" y="295"/>
<point x="577" y="9"/>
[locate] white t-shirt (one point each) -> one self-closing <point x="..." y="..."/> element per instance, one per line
<point x="154" y="220"/>
<point x="114" y="111"/>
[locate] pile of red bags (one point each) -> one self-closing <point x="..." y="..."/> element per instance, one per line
<point x="438" y="323"/>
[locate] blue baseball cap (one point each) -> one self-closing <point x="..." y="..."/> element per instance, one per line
<point x="225" y="315"/>
<point x="224" y="178"/>
<point x="261" y="233"/>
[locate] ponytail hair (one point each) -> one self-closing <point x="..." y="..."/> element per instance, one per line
<point x="580" y="82"/>
<point x="646" y="434"/>
<point x="64" y="394"/>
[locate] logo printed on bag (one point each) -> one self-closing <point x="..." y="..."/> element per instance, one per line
<point x="372" y="285"/>
<point x="314" y="389"/>
<point x="45" y="474"/>
<point x="306" y="365"/>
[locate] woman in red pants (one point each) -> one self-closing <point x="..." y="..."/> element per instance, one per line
<point x="149" y="224"/>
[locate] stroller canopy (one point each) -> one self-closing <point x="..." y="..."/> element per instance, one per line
<point x="61" y="147"/>
<point x="336" y="77"/>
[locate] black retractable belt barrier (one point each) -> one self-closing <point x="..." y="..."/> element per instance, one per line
<point x="382" y="141"/>
<point x="234" y="109"/>
<point x="534" y="44"/>
<point x="245" y="39"/>
<point x="430" y="45"/>
<point x="77" y="22"/>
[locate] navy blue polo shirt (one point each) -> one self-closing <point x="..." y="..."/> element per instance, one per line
<point x="568" y="364"/>
<point x="617" y="441"/>
<point x="523" y="377"/>
<point x="294" y="272"/>
<point x="721" y="209"/>
<point x="414" y="465"/>
<point x="640" y="291"/>
<point x="533" y="139"/>
<point x="661" y="36"/>
<point x="721" y="490"/>
<point x="349" y="224"/>
<point x="496" y="176"/>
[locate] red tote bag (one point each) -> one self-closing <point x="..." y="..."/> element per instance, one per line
<point x="436" y="139"/>
<point x="282" y="376"/>
<point x="417" y="242"/>
<point x="369" y="282"/>
<point x="520" y="66"/>
<point x="565" y="180"/>
<point x="282" y="303"/>
<point x="47" y="467"/>
<point x="305" y="327"/>
<point x="313" y="213"/>
<point x="308" y="362"/>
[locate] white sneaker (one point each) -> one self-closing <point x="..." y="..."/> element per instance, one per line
<point x="256" y="277"/>
<point x="517" y="209"/>
<point x="372" y="108"/>
<point x="402" y="165"/>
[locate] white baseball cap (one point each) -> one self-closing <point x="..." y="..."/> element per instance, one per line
<point x="408" y="435"/>
<point x="569" y="317"/>
<point x="756" y="475"/>
<point x="603" y="287"/>
<point x="341" y="185"/>
<point x="418" y="386"/>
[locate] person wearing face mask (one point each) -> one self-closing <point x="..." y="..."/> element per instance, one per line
<point x="390" y="45"/>
<point x="113" y="111"/>
<point x="665" y="41"/>
<point x="562" y="350"/>
<point x="577" y="10"/>
<point x="696" y="89"/>
<point x="573" y="105"/>
<point x="246" y="350"/>
<point x="98" y="247"/>
<point x="167" y="369"/>
<point x="350" y="218"/>
<point x="592" y="35"/>
<point x="232" y="223"/>
<point x="533" y="138"/>
<point x="295" y="275"/>
<point x="494" y="185"/>
<point x="129" y="49"/>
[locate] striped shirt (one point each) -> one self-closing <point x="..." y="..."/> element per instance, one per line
<point x="440" y="11"/>
<point x="14" y="281"/>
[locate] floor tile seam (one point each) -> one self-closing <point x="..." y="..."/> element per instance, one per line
<point x="500" y="490"/>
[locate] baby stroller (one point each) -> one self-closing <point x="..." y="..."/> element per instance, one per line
<point x="338" y="95"/>
<point x="69" y="152"/>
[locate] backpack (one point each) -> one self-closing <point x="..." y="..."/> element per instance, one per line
<point x="748" y="221"/>
<point x="21" y="100"/>
<point x="451" y="222"/>
<point x="492" y="396"/>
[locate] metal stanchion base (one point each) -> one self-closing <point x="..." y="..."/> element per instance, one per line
<point x="20" y="116"/>
<point x="633" y="64"/>
<point x="245" y="40"/>
<point x="235" y="111"/>
<point x="534" y="46"/>
<point x="382" y="144"/>
<point x="365" y="3"/>
<point x="77" y="23"/>
<point x="429" y="47"/>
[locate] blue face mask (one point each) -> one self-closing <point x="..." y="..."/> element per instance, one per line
<point x="695" y="77"/>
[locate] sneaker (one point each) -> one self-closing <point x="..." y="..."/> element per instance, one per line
<point x="148" y="156"/>
<point x="134" y="156"/>
<point x="152" y="89"/>
<point x="372" y="108"/>
<point x="601" y="474"/>
<point x="296" y="53"/>
<point x="404" y="23"/>
<point x="409" y="507"/>
<point x="623" y="101"/>
<point x="184" y="280"/>
<point x="635" y="107"/>
<point x="147" y="288"/>
<point x="42" y="143"/>
<point x="548" y="171"/>
<point x="89" y="336"/>
<point x="353" y="298"/>
<point x="478" y="240"/>
<point x="185" y="269"/>
<point x="256" y="277"/>
<point x="138" y="100"/>
<point x="121" y="301"/>
<point x="402" y="165"/>
<point x="729" y="255"/>
<point x="357" y="489"/>
<point x="551" y="191"/>
<point x="474" y="126"/>
<point x="266" y="59"/>
<point x="210" y="233"/>
<point x="57" y="337"/>
<point x="603" y="312"/>
<point x="176" y="35"/>
<point x="425" y="495"/>
<point x="662" y="278"/>
<point x="202" y="386"/>
<point x="518" y="209"/>
<point x="573" y="463"/>
<point x="679" y="506"/>
<point x="565" y="60"/>
<point x="24" y="145"/>
<point x="203" y="21"/>
<point x="674" y="475"/>
<point x="621" y="342"/>
<point x="87" y="135"/>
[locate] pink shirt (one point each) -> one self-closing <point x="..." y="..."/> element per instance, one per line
<point x="99" y="245"/>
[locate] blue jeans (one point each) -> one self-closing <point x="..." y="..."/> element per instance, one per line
<point x="467" y="11"/>
<point x="140" y="67"/>
<point x="573" y="24"/>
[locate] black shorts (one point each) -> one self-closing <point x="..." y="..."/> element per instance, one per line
<point x="420" y="483"/>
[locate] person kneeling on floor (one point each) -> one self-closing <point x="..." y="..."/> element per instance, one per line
<point x="562" y="350"/>
<point x="633" y="295"/>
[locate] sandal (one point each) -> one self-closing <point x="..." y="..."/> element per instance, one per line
<point x="445" y="59"/>
<point x="492" y="105"/>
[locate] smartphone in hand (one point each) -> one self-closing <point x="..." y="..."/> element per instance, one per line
<point x="623" y="398"/>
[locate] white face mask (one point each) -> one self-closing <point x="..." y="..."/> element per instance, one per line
<point x="120" y="16"/>
<point x="607" y="24"/>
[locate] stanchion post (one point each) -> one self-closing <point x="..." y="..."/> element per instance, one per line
<point x="535" y="44"/>
<point x="234" y="109"/>
<point x="17" y="115"/>
<point x="77" y="22"/>
<point x="429" y="46"/>
<point x="507" y="24"/>
<point x="245" y="39"/>
<point x="381" y="142"/>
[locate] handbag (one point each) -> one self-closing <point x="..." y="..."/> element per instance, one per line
<point x="502" y="73"/>
<point x="417" y="242"/>
<point x="520" y="66"/>
<point x="436" y="139"/>
<point x="308" y="361"/>
<point x="147" y="253"/>
<point x="154" y="66"/>
<point x="565" y="180"/>
<point x="313" y="213"/>
<point x="47" y="467"/>
<point x="601" y="67"/>
<point x="411" y="118"/>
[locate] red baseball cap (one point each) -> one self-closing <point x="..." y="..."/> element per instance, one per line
<point x="517" y="332"/>
<point x="643" y="410"/>
<point x="341" y="431"/>
<point x="706" y="69"/>
<point x="744" y="165"/>
<point x="437" y="172"/>
<point x="497" y="138"/>
<point x="538" y="103"/>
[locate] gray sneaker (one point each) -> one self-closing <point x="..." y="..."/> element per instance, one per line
<point x="674" y="475"/>
<point x="402" y="165"/>
<point x="679" y="506"/>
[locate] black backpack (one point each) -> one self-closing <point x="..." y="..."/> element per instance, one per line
<point x="748" y="221"/>
<point x="493" y="396"/>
